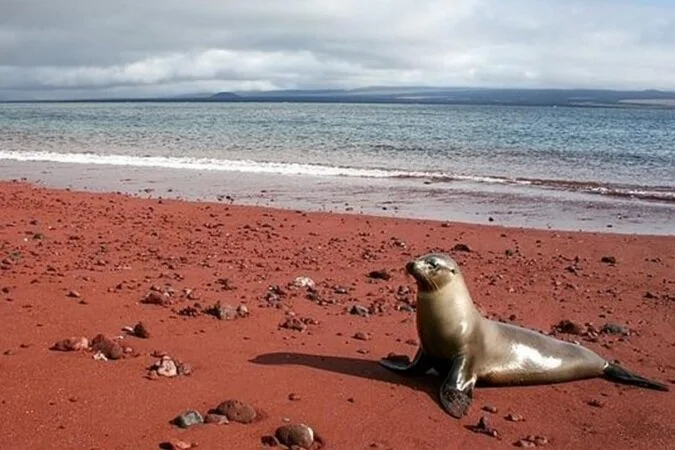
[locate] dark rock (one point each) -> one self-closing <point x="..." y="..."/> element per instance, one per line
<point x="141" y="331"/>
<point x="188" y="419"/>
<point x="109" y="348"/>
<point x="608" y="259"/>
<point x="294" y="397"/>
<point x="596" y="403"/>
<point x="293" y="323"/>
<point x="154" y="297"/>
<point x="222" y="312"/>
<point x="612" y="328"/>
<point x="568" y="327"/>
<point x="359" y="310"/>
<point x="237" y="411"/>
<point x="382" y="274"/>
<point x="490" y="409"/>
<point x="514" y="417"/>
<point x="461" y="248"/>
<point x="404" y="359"/>
<point x="74" y="294"/>
<point x="484" y="428"/>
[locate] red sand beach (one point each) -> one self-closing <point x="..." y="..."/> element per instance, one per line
<point x="77" y="264"/>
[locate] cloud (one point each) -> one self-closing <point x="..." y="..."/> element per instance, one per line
<point x="82" y="48"/>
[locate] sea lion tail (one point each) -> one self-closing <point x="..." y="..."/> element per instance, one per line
<point x="618" y="374"/>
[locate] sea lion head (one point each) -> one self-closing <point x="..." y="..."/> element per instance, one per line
<point x="433" y="271"/>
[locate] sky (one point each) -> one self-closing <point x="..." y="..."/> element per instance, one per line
<point x="109" y="48"/>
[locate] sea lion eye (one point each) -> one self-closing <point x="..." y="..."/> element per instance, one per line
<point x="433" y="263"/>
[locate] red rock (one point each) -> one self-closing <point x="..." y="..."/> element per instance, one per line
<point x="72" y="344"/>
<point x="237" y="411"/>
<point x="109" y="348"/>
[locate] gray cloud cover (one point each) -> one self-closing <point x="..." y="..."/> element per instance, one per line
<point x="85" y="48"/>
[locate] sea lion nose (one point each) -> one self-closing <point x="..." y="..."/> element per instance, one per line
<point x="410" y="267"/>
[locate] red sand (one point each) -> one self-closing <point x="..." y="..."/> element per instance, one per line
<point x="56" y="241"/>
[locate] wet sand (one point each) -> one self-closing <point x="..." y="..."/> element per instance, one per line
<point x="80" y="263"/>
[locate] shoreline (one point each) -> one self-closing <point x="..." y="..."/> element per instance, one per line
<point x="461" y="202"/>
<point x="78" y="263"/>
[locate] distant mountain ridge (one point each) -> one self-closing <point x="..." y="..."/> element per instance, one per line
<point x="433" y="95"/>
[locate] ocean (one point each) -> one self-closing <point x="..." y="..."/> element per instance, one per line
<point x="598" y="169"/>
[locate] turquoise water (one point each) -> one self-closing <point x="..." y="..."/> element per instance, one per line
<point x="624" y="152"/>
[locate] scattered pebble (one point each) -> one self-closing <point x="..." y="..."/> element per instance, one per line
<point x="359" y="310"/>
<point x="304" y="282"/>
<point x="165" y="367"/>
<point x="218" y="419"/>
<point x="188" y="419"/>
<point x="298" y="435"/>
<point x="154" y="297"/>
<point x="490" y="409"/>
<point x="532" y="441"/>
<point x="484" y="428"/>
<point x="293" y="323"/>
<point x="381" y="274"/>
<point x="107" y="347"/>
<point x="361" y="336"/>
<point x="511" y="417"/>
<point x="176" y="444"/>
<point x="461" y="248"/>
<point x="141" y="331"/>
<point x="596" y="403"/>
<point x="612" y="328"/>
<point x="294" y="397"/>
<point x="237" y="411"/>
<point x="608" y="259"/>
<point x="74" y="294"/>
<point x="72" y="344"/>
<point x="568" y="327"/>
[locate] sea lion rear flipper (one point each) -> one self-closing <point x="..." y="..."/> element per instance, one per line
<point x="456" y="391"/>
<point x="418" y="366"/>
<point x="618" y="374"/>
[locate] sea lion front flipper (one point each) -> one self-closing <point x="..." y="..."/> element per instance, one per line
<point x="420" y="364"/>
<point x="456" y="391"/>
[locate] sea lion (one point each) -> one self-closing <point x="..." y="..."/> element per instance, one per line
<point x="468" y="350"/>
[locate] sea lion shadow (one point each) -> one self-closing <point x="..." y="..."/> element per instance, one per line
<point x="363" y="368"/>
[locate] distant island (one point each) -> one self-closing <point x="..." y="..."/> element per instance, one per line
<point x="432" y="95"/>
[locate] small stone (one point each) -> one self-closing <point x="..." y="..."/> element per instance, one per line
<point x="612" y="328"/>
<point x="484" y="428"/>
<point x="237" y="411"/>
<point x="608" y="259"/>
<point x="596" y="403"/>
<point x="141" y="331"/>
<point x="188" y="419"/>
<point x="184" y="369"/>
<point x="176" y="444"/>
<point x="154" y="297"/>
<point x="361" y="336"/>
<point x="363" y="351"/>
<point x="242" y="311"/>
<point x="72" y="344"/>
<point x="74" y="294"/>
<point x="540" y="440"/>
<point x="166" y="367"/>
<point x="403" y="359"/>
<point x="106" y="346"/>
<point x="461" y="248"/>
<point x="514" y="417"/>
<point x="293" y="323"/>
<point x="299" y="435"/>
<point x="222" y="312"/>
<point x="569" y="327"/>
<point x="359" y="310"/>
<point x="381" y="274"/>
<point x="524" y="443"/>
<point x="490" y="409"/>
<point x="304" y="282"/>
<point x="294" y="397"/>
<point x="340" y="290"/>
<point x="218" y="419"/>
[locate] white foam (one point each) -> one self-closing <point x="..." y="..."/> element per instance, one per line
<point x="208" y="164"/>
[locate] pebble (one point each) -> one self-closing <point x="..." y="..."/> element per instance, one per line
<point x="294" y="397"/>
<point x="461" y="248"/>
<point x="176" y="444"/>
<point x="514" y="417"/>
<point x="166" y="367"/>
<point x="361" y="336"/>
<point x="299" y="435"/>
<point x="217" y="419"/>
<point x="484" y="428"/>
<point x="156" y="298"/>
<point x="74" y="294"/>
<point x="359" y="310"/>
<point x="608" y="259"/>
<point x="141" y="331"/>
<point x="107" y="347"/>
<point x="490" y="409"/>
<point x="237" y="411"/>
<point x="72" y="344"/>
<point x="304" y="282"/>
<point x="381" y="274"/>
<point x="293" y="323"/>
<point x="596" y="403"/>
<point x="188" y="419"/>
